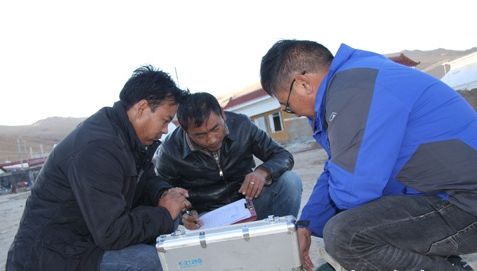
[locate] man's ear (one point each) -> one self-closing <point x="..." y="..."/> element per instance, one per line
<point x="142" y="105"/>
<point x="303" y="84"/>
<point x="306" y="83"/>
<point x="137" y="109"/>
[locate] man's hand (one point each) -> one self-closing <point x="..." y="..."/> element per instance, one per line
<point x="175" y="201"/>
<point x="191" y="220"/>
<point x="253" y="183"/>
<point x="304" y="240"/>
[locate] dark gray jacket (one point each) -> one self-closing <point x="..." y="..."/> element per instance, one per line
<point x="87" y="198"/>
<point x="199" y="173"/>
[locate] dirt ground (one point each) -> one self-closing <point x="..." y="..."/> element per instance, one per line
<point x="308" y="164"/>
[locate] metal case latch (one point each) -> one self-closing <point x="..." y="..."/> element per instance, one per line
<point x="203" y="244"/>
<point x="245" y="233"/>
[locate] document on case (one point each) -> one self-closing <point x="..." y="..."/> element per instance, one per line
<point x="228" y="214"/>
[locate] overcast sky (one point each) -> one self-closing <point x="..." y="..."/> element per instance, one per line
<point x="70" y="58"/>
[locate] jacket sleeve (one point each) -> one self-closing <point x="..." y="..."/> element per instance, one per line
<point x="276" y="159"/>
<point x="150" y="188"/>
<point x="99" y="180"/>
<point x="319" y="208"/>
<point x="363" y="156"/>
<point x="164" y="167"/>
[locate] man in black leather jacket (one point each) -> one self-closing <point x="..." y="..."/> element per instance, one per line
<point x="211" y="155"/>
<point x="97" y="199"/>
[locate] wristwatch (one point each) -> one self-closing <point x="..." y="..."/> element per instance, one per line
<point x="268" y="180"/>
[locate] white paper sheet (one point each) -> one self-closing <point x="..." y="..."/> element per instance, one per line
<point x="226" y="215"/>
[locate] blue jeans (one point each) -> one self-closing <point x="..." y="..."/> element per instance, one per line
<point x="401" y="233"/>
<point x="140" y="257"/>
<point x="282" y="197"/>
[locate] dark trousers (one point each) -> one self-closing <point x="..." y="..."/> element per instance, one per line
<point x="401" y="233"/>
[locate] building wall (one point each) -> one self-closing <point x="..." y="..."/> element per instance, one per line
<point x="279" y="136"/>
<point x="261" y="112"/>
<point x="294" y="129"/>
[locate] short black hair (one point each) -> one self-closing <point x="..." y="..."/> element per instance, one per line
<point x="197" y="108"/>
<point x="150" y="84"/>
<point x="289" y="57"/>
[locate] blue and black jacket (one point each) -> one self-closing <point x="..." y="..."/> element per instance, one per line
<point x="389" y="130"/>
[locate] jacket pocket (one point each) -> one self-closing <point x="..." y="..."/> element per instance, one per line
<point x="61" y="249"/>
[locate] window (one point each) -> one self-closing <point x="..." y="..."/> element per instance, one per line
<point x="275" y="122"/>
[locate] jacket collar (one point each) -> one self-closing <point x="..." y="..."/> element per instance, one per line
<point x="142" y="153"/>
<point x="190" y="146"/>
<point x="344" y="53"/>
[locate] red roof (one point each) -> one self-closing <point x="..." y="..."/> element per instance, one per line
<point x="245" y="98"/>
<point x="31" y="162"/>
<point x="404" y="60"/>
<point x="36" y="161"/>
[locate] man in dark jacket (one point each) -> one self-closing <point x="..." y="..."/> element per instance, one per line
<point x="97" y="200"/>
<point x="211" y="155"/>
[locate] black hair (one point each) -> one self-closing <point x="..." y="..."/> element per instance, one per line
<point x="289" y="57"/>
<point x="150" y="84"/>
<point x="197" y="108"/>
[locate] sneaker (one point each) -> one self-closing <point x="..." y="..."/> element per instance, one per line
<point x="325" y="267"/>
<point x="458" y="261"/>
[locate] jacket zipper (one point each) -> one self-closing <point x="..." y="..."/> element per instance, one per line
<point x="139" y="176"/>
<point x="217" y="161"/>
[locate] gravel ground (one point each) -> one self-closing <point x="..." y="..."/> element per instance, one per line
<point x="308" y="164"/>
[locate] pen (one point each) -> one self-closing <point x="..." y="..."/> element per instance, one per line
<point x="189" y="213"/>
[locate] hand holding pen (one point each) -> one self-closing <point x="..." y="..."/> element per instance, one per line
<point x="191" y="220"/>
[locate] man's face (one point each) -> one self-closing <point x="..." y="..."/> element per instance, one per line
<point x="149" y="125"/>
<point x="210" y="134"/>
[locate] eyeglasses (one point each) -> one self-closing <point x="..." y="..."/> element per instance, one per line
<point x="287" y="105"/>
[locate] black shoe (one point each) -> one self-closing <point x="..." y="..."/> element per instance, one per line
<point x="458" y="261"/>
<point x="325" y="267"/>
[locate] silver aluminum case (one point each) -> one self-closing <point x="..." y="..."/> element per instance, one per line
<point x="269" y="244"/>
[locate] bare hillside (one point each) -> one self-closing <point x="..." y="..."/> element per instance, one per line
<point x="18" y="142"/>
<point x="432" y="61"/>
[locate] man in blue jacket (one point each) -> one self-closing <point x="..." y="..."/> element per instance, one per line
<point x="399" y="188"/>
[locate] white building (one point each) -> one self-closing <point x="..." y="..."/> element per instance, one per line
<point x="266" y="113"/>
<point x="463" y="73"/>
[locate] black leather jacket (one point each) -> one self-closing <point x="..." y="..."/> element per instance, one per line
<point x="97" y="191"/>
<point x="200" y="173"/>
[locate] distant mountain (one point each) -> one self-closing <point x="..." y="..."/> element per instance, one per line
<point x="432" y="61"/>
<point x="16" y="141"/>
